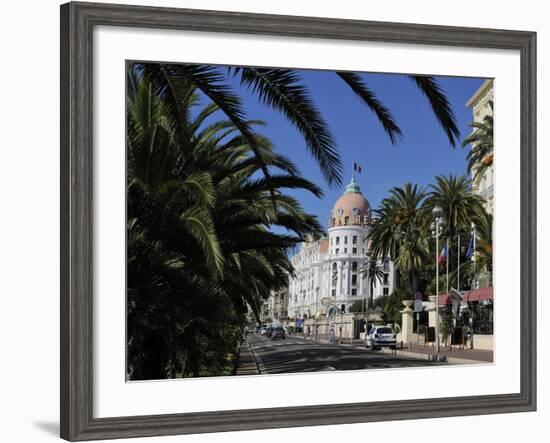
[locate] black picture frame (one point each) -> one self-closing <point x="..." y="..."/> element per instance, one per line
<point x="77" y="23"/>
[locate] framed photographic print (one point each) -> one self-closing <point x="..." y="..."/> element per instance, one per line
<point x="273" y="221"/>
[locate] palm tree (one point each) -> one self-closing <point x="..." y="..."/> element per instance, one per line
<point x="461" y="206"/>
<point x="399" y="231"/>
<point x="455" y="196"/>
<point x="480" y="156"/>
<point x="372" y="270"/>
<point x="482" y="259"/>
<point x="201" y="248"/>
<point x="283" y="90"/>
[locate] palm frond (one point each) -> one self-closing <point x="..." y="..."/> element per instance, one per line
<point x="360" y="88"/>
<point x="282" y="90"/>
<point x="439" y="104"/>
<point x="199" y="223"/>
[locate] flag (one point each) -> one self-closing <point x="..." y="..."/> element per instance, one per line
<point x="443" y="256"/>
<point x="470" y="250"/>
<point x="357" y="168"/>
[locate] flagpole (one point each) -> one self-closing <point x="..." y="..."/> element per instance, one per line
<point x="447" y="263"/>
<point x="474" y="255"/>
<point x="458" y="278"/>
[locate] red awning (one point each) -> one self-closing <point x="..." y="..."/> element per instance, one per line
<point x="444" y="299"/>
<point x="479" y="294"/>
<point x="469" y="296"/>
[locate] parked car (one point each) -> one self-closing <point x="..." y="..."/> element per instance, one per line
<point x="278" y="332"/>
<point x="263" y="331"/>
<point x="380" y="336"/>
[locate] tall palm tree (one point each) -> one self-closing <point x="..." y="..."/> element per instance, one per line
<point x="454" y="194"/>
<point x="201" y="248"/>
<point x="283" y="90"/>
<point x="461" y="206"/>
<point x="399" y="231"/>
<point x="373" y="271"/>
<point x="480" y="156"/>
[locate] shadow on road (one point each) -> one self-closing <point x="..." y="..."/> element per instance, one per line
<point x="298" y="355"/>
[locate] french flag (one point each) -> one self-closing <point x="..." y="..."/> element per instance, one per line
<point x="443" y="256"/>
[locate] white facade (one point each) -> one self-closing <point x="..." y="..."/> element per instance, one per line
<point x="327" y="271"/>
<point x="481" y="107"/>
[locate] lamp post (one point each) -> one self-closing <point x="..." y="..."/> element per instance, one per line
<point x="316" y="309"/>
<point x="437" y="229"/>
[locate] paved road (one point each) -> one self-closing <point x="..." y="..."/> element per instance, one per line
<point x="299" y="355"/>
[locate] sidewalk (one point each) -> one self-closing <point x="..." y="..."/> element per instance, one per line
<point x="247" y="363"/>
<point x="446" y="354"/>
<point x="413" y="350"/>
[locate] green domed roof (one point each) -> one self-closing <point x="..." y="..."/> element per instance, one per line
<point x="353" y="187"/>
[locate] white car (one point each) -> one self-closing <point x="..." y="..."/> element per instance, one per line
<point x="380" y="336"/>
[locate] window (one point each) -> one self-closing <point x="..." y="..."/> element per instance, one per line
<point x="354" y="279"/>
<point x="354" y="240"/>
<point x="346" y="240"/>
<point x="337" y="240"/>
<point x="386" y="265"/>
<point x="346" y="220"/>
<point x="333" y="292"/>
<point x="354" y="266"/>
<point x="355" y="211"/>
<point x="337" y="251"/>
<point x="386" y="278"/>
<point x="354" y="291"/>
<point x="345" y="250"/>
<point x="354" y="251"/>
<point x="386" y="291"/>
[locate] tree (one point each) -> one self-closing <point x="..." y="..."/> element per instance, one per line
<point x="373" y="271"/>
<point x="283" y="90"/>
<point x="393" y="306"/>
<point x="357" y="306"/>
<point x="199" y="216"/>
<point x="481" y="261"/>
<point x="399" y="231"/>
<point x="461" y="206"/>
<point x="480" y="156"/>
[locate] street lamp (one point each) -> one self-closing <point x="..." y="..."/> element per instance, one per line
<point x="316" y="309"/>
<point x="437" y="229"/>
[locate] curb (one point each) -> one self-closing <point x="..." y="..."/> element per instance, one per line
<point x="434" y="357"/>
<point x="250" y="349"/>
<point x="254" y="357"/>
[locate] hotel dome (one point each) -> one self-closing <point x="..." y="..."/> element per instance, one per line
<point x="351" y="205"/>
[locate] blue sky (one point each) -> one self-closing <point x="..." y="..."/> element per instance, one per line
<point x="423" y="152"/>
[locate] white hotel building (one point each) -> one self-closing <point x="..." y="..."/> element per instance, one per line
<point x="480" y="104"/>
<point x="328" y="270"/>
